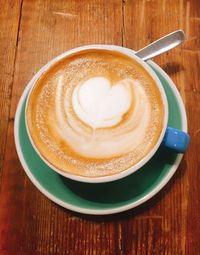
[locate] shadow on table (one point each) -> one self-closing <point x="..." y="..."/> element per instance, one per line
<point x="172" y="68"/>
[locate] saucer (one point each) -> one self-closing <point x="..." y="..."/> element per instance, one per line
<point x="103" y="198"/>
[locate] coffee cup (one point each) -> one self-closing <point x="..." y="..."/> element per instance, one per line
<point x="98" y="113"/>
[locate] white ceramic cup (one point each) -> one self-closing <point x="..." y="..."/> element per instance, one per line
<point x="144" y="160"/>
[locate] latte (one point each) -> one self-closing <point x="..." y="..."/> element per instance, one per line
<point x="95" y="113"/>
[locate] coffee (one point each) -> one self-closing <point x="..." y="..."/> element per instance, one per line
<point x="95" y="113"/>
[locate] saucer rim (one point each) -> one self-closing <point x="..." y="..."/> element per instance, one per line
<point x="119" y="209"/>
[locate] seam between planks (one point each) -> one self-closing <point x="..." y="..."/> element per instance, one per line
<point x="123" y="21"/>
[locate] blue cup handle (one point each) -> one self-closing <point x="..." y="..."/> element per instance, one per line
<point x="176" y="140"/>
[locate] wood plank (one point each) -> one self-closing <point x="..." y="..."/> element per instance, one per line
<point x="191" y="59"/>
<point x="9" y="22"/>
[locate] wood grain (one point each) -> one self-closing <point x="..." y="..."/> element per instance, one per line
<point x="39" y="30"/>
<point x="9" y="25"/>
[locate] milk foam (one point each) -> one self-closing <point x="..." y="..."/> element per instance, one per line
<point x="102" y="106"/>
<point x="95" y="113"/>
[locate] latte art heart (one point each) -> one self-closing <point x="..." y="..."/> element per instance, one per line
<point x="99" y="104"/>
<point x="95" y="113"/>
<point x="102" y="106"/>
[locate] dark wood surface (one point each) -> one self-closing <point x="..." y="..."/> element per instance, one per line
<point x="34" y="31"/>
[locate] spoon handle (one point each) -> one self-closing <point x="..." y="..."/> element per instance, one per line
<point x="161" y="45"/>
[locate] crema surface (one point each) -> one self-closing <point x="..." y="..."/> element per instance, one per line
<point x="95" y="113"/>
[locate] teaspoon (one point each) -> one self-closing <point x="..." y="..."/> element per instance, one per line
<point x="161" y="45"/>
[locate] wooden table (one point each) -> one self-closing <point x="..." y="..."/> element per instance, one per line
<point x="32" y="33"/>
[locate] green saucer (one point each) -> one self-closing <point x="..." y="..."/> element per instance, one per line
<point x="110" y="197"/>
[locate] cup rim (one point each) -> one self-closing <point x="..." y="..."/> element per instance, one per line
<point x="144" y="160"/>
